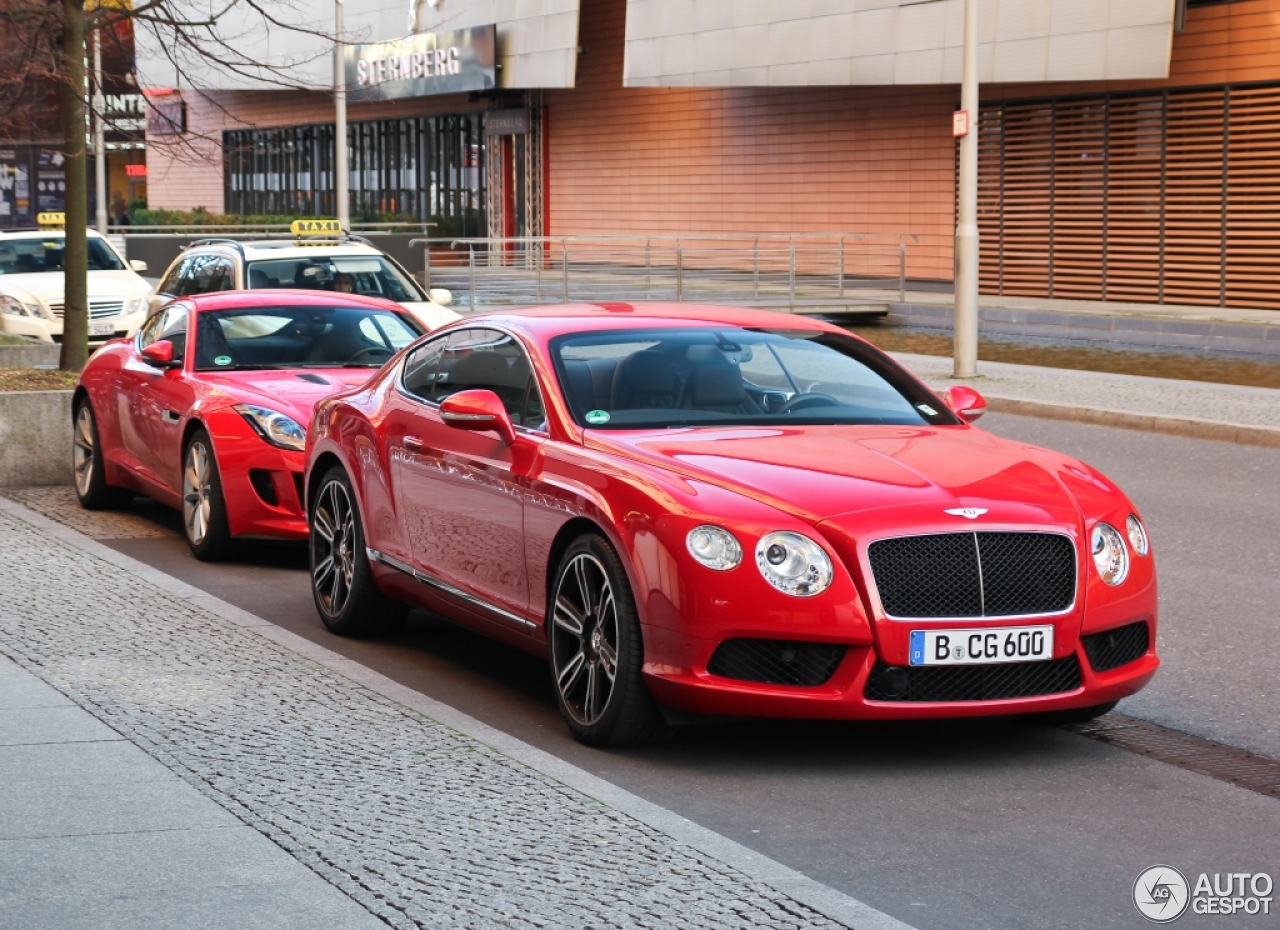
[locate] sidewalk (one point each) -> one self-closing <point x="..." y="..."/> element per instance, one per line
<point x="181" y="763"/>
<point x="1198" y="409"/>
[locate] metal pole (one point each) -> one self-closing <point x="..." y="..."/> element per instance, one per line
<point x="679" y="273"/>
<point x="426" y="265"/>
<point x="539" y="277"/>
<point x="471" y="261"/>
<point x="966" y="318"/>
<point x="564" y="251"/>
<point x="842" y="267"/>
<point x="902" y="272"/>
<point x="648" y="281"/>
<point x="341" y="177"/>
<point x="755" y="267"/>
<point x="99" y="135"/>
<point x="793" y="274"/>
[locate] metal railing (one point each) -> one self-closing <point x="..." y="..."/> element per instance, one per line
<point x="255" y="228"/>
<point x="777" y="270"/>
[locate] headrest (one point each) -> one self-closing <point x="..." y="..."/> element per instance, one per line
<point x="647" y="372"/>
<point x="717" y="383"/>
<point x="489" y="370"/>
<point x="258" y="278"/>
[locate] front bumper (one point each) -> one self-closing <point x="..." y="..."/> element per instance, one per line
<point x="261" y="483"/>
<point x="688" y="686"/>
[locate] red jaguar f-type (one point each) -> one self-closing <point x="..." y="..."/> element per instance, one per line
<point x="710" y="511"/>
<point x="204" y="409"/>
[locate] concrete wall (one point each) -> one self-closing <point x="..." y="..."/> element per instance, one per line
<point x="32" y="356"/>
<point x="760" y="43"/>
<point x="35" y="438"/>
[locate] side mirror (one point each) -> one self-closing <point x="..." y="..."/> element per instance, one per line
<point x="441" y="295"/>
<point x="480" y="412"/>
<point x="138" y="265"/>
<point x="160" y="354"/>
<point x="965" y="402"/>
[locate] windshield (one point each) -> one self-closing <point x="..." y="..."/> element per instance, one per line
<point x="371" y="275"/>
<point x="644" y="379"/>
<point x="301" y="337"/>
<point x="33" y="256"/>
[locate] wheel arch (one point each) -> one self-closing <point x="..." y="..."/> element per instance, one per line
<point x="322" y="463"/>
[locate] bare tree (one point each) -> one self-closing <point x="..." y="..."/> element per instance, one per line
<point x="42" y="56"/>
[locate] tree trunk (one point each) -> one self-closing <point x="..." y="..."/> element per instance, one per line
<point x="75" y="257"/>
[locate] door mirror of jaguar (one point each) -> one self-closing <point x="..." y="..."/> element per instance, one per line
<point x="478" y="411"/>
<point x="160" y="354"/>
<point x="965" y="402"/>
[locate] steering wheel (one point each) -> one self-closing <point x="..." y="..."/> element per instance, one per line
<point x="383" y="350"/>
<point x="801" y="401"/>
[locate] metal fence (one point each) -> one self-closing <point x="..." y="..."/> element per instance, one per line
<point x="768" y="270"/>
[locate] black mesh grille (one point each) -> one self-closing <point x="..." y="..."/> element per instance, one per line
<point x="972" y="682"/>
<point x="939" y="576"/>
<point x="262" y="483"/>
<point x="776" y="662"/>
<point x="1117" y="647"/>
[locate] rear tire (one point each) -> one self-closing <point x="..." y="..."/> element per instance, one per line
<point x="204" y="509"/>
<point x="1079" y="714"/>
<point x="88" y="467"/>
<point x="347" y="598"/>
<point x="593" y="634"/>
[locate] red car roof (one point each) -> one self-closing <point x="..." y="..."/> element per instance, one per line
<point x="282" y="297"/>
<point x="547" y="321"/>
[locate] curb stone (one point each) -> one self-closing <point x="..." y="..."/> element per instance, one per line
<point x="825" y="900"/>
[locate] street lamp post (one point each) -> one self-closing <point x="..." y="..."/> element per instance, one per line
<point x="99" y="135"/>
<point x="966" y="319"/>
<point x="340" y="175"/>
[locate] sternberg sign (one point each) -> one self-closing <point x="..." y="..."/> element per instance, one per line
<point x="422" y="65"/>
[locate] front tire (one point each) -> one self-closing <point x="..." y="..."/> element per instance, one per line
<point x="347" y="598"/>
<point x="204" y="509"/>
<point x="597" y="652"/>
<point x="88" y="467"/>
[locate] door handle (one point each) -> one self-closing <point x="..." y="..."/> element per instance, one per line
<point x="414" y="444"/>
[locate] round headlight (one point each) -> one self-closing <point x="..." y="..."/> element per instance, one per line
<point x="1110" y="556"/>
<point x="714" y="547"/>
<point x="794" y="564"/>
<point x="1137" y="535"/>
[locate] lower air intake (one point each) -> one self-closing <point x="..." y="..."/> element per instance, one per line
<point x="776" y="662"/>
<point x="1117" y="647"/>
<point x="941" y="684"/>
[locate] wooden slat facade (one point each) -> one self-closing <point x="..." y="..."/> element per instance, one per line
<point x="1166" y="196"/>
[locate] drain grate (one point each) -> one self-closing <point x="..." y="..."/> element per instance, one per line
<point x="1205" y="757"/>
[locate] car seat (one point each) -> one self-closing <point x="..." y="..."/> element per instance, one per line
<point x="645" y="380"/>
<point x="715" y="386"/>
<point x="258" y="278"/>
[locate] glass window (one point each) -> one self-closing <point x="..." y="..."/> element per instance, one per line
<point x="40" y="255"/>
<point x="421" y="368"/>
<point x="711" y="376"/>
<point x="485" y="359"/>
<point x="372" y="276"/>
<point x="208" y="274"/>
<point x="171" y="324"/>
<point x="170" y="283"/>
<point x="301" y="337"/>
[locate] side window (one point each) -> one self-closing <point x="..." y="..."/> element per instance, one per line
<point x="421" y="368"/>
<point x="199" y="278"/>
<point x="485" y="359"/>
<point x="150" y="330"/>
<point x="170" y="283"/>
<point x="222" y="276"/>
<point x="173" y="327"/>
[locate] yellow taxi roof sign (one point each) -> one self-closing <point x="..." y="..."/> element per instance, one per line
<point x="315" y="227"/>
<point x="51" y="219"/>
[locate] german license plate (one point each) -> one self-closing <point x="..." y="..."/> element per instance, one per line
<point x="982" y="647"/>
<point x="101" y="329"/>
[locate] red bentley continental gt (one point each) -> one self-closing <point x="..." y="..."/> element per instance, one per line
<point x="700" y="511"/>
<point x="204" y="408"/>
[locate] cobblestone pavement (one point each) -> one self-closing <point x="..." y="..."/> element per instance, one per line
<point x="423" y="826"/>
<point x="145" y="519"/>
<point x="1225" y="403"/>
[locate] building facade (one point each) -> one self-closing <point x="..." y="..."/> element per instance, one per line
<point x="1128" y="147"/>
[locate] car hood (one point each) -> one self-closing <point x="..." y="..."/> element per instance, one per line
<point x="50" y="287"/>
<point x="431" y="315"/>
<point x="823" y="472"/>
<point x="291" y="391"/>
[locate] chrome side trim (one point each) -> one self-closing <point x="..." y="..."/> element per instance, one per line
<point x="433" y="582"/>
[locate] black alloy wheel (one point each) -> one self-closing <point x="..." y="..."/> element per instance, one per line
<point x="87" y="466"/>
<point x="347" y="598"/>
<point x="597" y="651"/>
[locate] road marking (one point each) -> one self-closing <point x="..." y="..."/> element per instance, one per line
<point x="825" y="900"/>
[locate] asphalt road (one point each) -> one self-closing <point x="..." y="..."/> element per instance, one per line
<point x="999" y="824"/>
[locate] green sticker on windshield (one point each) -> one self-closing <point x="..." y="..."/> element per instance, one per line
<point x="222" y="360"/>
<point x="597" y="417"/>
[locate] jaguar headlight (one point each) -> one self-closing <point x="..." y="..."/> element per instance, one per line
<point x="714" y="547"/>
<point x="794" y="564"/>
<point x="1137" y="535"/>
<point x="1110" y="555"/>
<point x="275" y="427"/>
